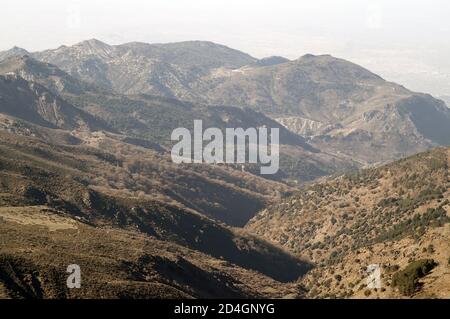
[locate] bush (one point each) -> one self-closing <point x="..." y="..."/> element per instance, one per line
<point x="407" y="280"/>
<point x="433" y="217"/>
<point x="392" y="268"/>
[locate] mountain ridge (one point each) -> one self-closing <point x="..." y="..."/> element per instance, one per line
<point x="32" y="102"/>
<point x="150" y="119"/>
<point x="347" y="103"/>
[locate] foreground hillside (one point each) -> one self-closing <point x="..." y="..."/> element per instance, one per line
<point x="392" y="216"/>
<point x="135" y="225"/>
<point x="39" y="242"/>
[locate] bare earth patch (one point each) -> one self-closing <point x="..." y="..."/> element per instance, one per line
<point x="37" y="216"/>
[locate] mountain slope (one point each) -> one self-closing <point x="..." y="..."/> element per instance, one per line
<point x="295" y="87"/>
<point x="159" y="69"/>
<point x="143" y="193"/>
<point x="105" y="162"/>
<point x="32" y="102"/>
<point x="13" y="52"/>
<point x="148" y="119"/>
<point x="48" y="75"/>
<point x="341" y="106"/>
<point x="40" y="242"/>
<point x="344" y="108"/>
<point x="389" y="216"/>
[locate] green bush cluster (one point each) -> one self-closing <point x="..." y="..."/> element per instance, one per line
<point x="407" y="280"/>
<point x="434" y="217"/>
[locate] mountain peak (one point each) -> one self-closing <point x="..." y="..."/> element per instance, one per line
<point x="323" y="59"/>
<point x="310" y="56"/>
<point x="16" y="62"/>
<point x="92" y="43"/>
<point x="195" y="43"/>
<point x="14" y="51"/>
<point x="336" y="69"/>
<point x="17" y="49"/>
<point x="271" y="60"/>
<point x="94" y="47"/>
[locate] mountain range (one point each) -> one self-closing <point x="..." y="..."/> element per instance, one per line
<point x="151" y="119"/>
<point x="85" y="163"/>
<point x="337" y="105"/>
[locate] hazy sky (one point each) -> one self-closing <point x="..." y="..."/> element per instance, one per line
<point x="406" y="41"/>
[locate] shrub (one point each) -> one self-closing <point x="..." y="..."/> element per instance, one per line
<point x="407" y="280"/>
<point x="392" y="268"/>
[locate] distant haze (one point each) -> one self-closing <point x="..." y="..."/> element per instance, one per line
<point x="403" y="41"/>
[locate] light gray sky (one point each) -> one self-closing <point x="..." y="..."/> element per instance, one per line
<point x="407" y="41"/>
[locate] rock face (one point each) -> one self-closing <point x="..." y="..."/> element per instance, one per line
<point x="301" y="126"/>
<point x="345" y="108"/>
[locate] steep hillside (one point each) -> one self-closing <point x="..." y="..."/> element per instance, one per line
<point x="108" y="164"/>
<point x="391" y="216"/>
<point x="132" y="68"/>
<point x="340" y="106"/>
<point x="34" y="103"/>
<point x="48" y="75"/>
<point x="139" y="191"/>
<point x="316" y="87"/>
<point x="39" y="242"/>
